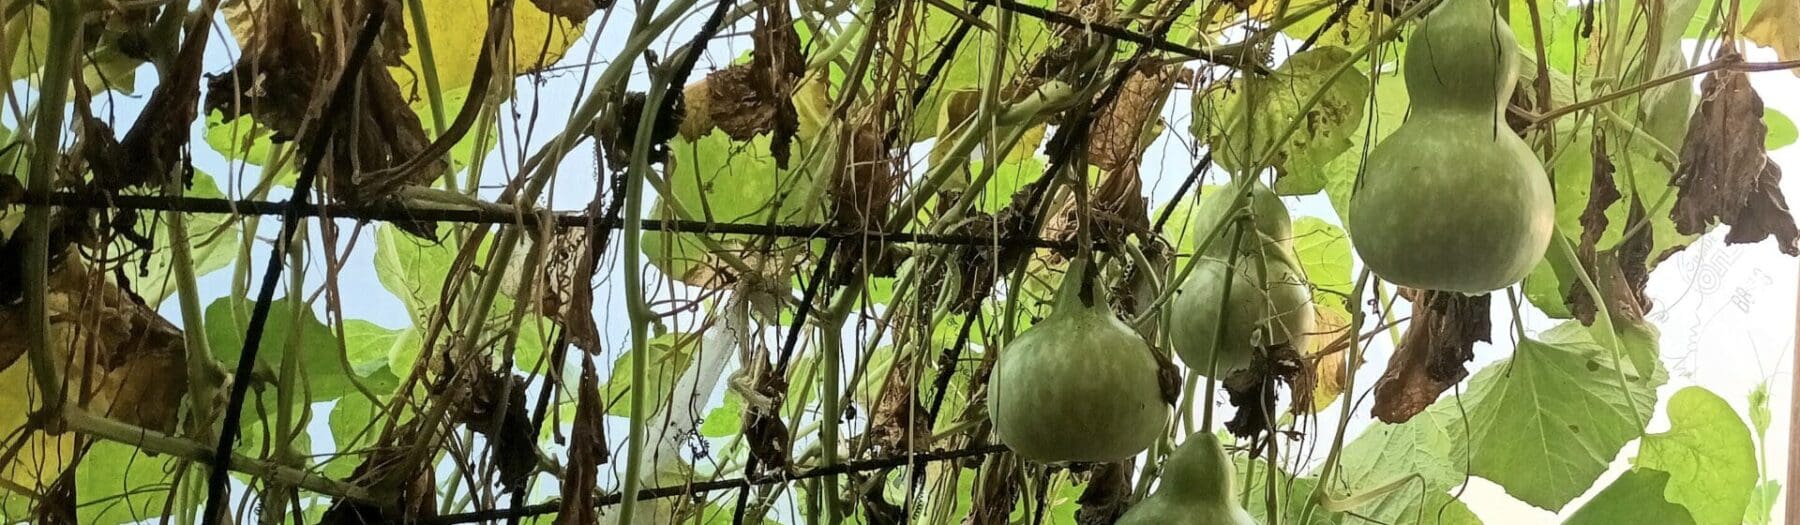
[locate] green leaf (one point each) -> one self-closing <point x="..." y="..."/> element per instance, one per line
<point x="368" y="345"/>
<point x="412" y="269"/>
<point x="211" y="242"/>
<point x="973" y="60"/>
<point x="325" y="376"/>
<point x="719" y="180"/>
<point x="117" y="483"/>
<point x="669" y="355"/>
<point x="244" y="139"/>
<point x="1266" y="105"/>
<point x="1383" y="113"/>
<point x="1781" y="130"/>
<point x="354" y="425"/>
<point x="1708" y="455"/>
<point x="1545" y="423"/>
<point x="1425" y="448"/>
<point x="1762" y="503"/>
<point x="1324" y="253"/>
<point x="726" y="419"/>
<point x="1636" y="497"/>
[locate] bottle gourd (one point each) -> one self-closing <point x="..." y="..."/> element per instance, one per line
<point x="1079" y="386"/>
<point x="1198" y="488"/>
<point x="1453" y="200"/>
<point x="1270" y="302"/>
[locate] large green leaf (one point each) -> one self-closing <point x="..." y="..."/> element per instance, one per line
<point x="1425" y="449"/>
<point x="1708" y="454"/>
<point x="1266" y="105"/>
<point x="1636" y="497"/>
<point x="719" y="180"/>
<point x="117" y="483"/>
<point x="320" y="358"/>
<point x="1545" y="423"/>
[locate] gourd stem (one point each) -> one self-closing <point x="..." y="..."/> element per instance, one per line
<point x="1218" y="342"/>
<point x="1602" y="320"/>
<point x="65" y="32"/>
<point x="1335" y="454"/>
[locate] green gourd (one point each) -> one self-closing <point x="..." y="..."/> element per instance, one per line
<point x="1198" y="488"/>
<point x="1454" y="200"/>
<point x="1078" y="386"/>
<point x="1268" y="293"/>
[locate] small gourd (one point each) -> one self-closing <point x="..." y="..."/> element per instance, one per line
<point x="1454" y="200"/>
<point x="1078" y="386"/>
<point x="1270" y="301"/>
<point x="1198" y="488"/>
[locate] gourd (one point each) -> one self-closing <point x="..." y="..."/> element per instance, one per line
<point x="1454" y="200"/>
<point x="1078" y="386"/>
<point x="1268" y="293"/>
<point x="1198" y="488"/>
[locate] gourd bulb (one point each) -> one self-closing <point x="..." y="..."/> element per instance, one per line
<point x="1079" y="386"/>
<point x="1454" y="200"/>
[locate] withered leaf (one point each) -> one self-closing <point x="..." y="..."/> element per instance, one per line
<point x="1253" y="391"/>
<point x="154" y="148"/>
<point x="577" y="11"/>
<point x="1430" y="359"/>
<point x="1108" y="494"/>
<point x="1725" y="173"/>
<point x="996" y="491"/>
<point x="899" y="417"/>
<point x="587" y="451"/>
<point x="496" y="408"/>
<point x="279" y="51"/>
<point x="1602" y="193"/>
<point x="877" y="510"/>
<point x="1116" y="137"/>
<point x="137" y="372"/>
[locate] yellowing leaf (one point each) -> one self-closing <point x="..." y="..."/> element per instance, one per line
<point x="1777" y="25"/>
<point x="457" y="29"/>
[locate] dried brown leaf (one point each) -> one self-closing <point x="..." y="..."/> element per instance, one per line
<point x="899" y="417"/>
<point x="1116" y="137"/>
<point x="1776" y="24"/>
<point x="1431" y="356"/>
<point x="996" y="491"/>
<point x="1253" y="391"/>
<point x="279" y="50"/>
<point x="577" y="11"/>
<point x="1726" y="174"/>
<point x="1108" y="494"/>
<point x="1327" y="349"/>
<point x="496" y="408"/>
<point x="587" y="451"/>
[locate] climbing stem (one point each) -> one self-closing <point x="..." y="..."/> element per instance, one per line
<point x="59" y="67"/>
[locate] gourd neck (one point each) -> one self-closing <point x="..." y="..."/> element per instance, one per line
<point x="1199" y="472"/>
<point x="1069" y="299"/>
<point x="1463" y="58"/>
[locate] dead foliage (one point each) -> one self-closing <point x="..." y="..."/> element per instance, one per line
<point x="1107" y="495"/>
<point x="1726" y="175"/>
<point x="1253" y="391"/>
<point x="587" y="452"/>
<point x="1431" y="357"/>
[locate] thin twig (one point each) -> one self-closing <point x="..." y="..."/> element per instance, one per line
<point x="1732" y="62"/>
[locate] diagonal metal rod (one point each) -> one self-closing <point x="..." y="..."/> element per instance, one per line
<point x="217" y="495"/>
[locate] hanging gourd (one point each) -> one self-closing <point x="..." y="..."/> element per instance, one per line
<point x="1270" y="301"/>
<point x="1453" y="199"/>
<point x="1198" y="488"/>
<point x="1079" y="386"/>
